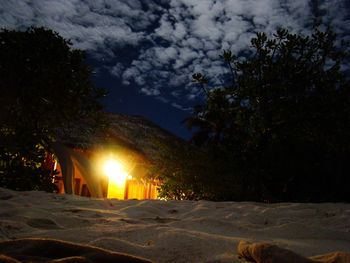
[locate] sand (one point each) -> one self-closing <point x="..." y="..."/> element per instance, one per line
<point x="175" y="231"/>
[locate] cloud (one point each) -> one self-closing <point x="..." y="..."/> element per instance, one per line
<point x="180" y="107"/>
<point x="117" y="70"/>
<point x="150" y="91"/>
<point x="90" y="24"/>
<point x="196" y="32"/>
<point x="162" y="99"/>
<point x="172" y="39"/>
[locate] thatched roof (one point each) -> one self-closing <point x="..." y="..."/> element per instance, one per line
<point x="141" y="134"/>
<point x="134" y="133"/>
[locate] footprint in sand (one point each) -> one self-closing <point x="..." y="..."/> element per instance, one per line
<point x="42" y="223"/>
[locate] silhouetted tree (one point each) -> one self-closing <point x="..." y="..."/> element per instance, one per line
<point x="284" y="122"/>
<point x="45" y="89"/>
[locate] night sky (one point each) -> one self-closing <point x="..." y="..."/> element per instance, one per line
<point x="145" y="52"/>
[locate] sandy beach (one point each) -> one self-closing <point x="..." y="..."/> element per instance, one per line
<point x="175" y="231"/>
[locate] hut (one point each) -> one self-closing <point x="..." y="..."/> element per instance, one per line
<point x="114" y="164"/>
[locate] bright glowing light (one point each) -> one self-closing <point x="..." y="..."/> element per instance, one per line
<point x="117" y="177"/>
<point x="112" y="168"/>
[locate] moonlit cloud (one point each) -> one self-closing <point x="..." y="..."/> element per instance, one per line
<point x="90" y="24"/>
<point x="117" y="70"/>
<point x="171" y="39"/>
<point x="194" y="33"/>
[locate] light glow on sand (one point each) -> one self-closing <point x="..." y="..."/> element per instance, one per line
<point x="117" y="177"/>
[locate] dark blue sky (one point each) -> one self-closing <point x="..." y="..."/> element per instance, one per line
<point x="130" y="101"/>
<point x="144" y="52"/>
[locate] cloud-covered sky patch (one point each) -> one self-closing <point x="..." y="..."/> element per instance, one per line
<point x="155" y="46"/>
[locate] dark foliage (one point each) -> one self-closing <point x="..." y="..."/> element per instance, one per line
<point x="281" y="130"/>
<point x="180" y="170"/>
<point x="188" y="172"/>
<point x="45" y="88"/>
